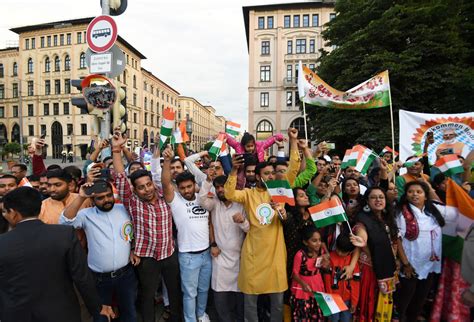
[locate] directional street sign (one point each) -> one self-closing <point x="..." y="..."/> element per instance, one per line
<point x="101" y="34"/>
<point x="112" y="62"/>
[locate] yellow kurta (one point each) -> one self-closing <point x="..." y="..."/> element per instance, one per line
<point x="263" y="257"/>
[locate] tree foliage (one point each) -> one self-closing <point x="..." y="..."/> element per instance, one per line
<point x="427" y="46"/>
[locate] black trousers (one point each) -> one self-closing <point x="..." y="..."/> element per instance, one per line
<point x="150" y="272"/>
<point x="229" y="306"/>
<point x="411" y="297"/>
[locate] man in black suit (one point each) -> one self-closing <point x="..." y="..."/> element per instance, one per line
<point x="39" y="264"/>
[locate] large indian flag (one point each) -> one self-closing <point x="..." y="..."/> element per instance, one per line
<point x="167" y="125"/>
<point x="232" y="128"/>
<point x="373" y="93"/>
<point x="330" y="303"/>
<point x="449" y="165"/>
<point x="328" y="213"/>
<point x="280" y="191"/>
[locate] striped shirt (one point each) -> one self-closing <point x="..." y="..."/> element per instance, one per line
<point x="152" y="223"/>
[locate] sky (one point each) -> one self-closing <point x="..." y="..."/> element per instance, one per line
<point x="197" y="47"/>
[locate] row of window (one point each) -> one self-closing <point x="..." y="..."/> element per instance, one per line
<point x="290" y="96"/>
<point x="30" y="88"/>
<point x="298" y="21"/>
<point x="300" y="47"/>
<point x="47" y="65"/>
<point x="55" y="40"/>
<point x="265" y="72"/>
<point x="31" y="110"/>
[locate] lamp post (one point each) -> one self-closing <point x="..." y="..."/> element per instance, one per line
<point x="189" y="129"/>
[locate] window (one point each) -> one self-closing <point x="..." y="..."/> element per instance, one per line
<point x="30" y="88"/>
<point x="15" y="69"/>
<point x="31" y="130"/>
<point x="55" y="40"/>
<point x="145" y="103"/>
<point x="135" y="135"/>
<point x="67" y="63"/>
<point x="332" y="16"/>
<point x="2" y="111"/>
<point x="15" y="111"/>
<point x="79" y="37"/>
<point x="15" y="90"/>
<point x="299" y="125"/>
<point x="146" y="118"/>
<point x="265" y="47"/>
<point x="300" y="46"/>
<point x="296" y="21"/>
<point x="151" y="105"/>
<point x="287" y="21"/>
<point x="69" y="129"/>
<point x="312" y="46"/>
<point x="270" y="22"/>
<point x="43" y="128"/>
<point x="49" y="41"/>
<point x="47" y="65"/>
<point x="2" y="71"/>
<point x="66" y="108"/>
<point x="315" y="20"/>
<point x="82" y="61"/>
<point x="2" y="91"/>
<point x="261" y="22"/>
<point x="311" y="66"/>
<point x="264" y="99"/>
<point x="30" y="65"/>
<point x="289" y="98"/>
<point x="31" y="110"/>
<point x="67" y="86"/>
<point x="264" y="73"/>
<point x="68" y="39"/>
<point x="134" y="117"/>
<point x="134" y="103"/>
<point x="167" y="98"/>
<point x="289" y="47"/>
<point x="305" y="20"/>
<point x="56" y="108"/>
<point x="27" y="44"/>
<point x="289" y="72"/>
<point x="33" y="43"/>
<point x="57" y="86"/>
<point x="45" y="109"/>
<point x="47" y="87"/>
<point x="61" y="40"/>
<point x="42" y="42"/>
<point x="57" y="64"/>
<point x="83" y="129"/>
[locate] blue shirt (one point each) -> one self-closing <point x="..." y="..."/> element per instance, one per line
<point x="108" y="234"/>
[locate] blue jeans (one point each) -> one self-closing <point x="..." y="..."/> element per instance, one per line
<point x="125" y="288"/>
<point x="344" y="316"/>
<point x="195" y="281"/>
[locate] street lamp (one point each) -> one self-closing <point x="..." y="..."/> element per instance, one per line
<point x="189" y="129"/>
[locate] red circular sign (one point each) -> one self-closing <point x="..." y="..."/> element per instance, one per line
<point x="101" y="34"/>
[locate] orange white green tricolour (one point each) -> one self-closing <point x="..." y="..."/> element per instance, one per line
<point x="167" y="125"/>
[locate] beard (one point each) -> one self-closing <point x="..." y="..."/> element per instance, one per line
<point x="106" y="207"/>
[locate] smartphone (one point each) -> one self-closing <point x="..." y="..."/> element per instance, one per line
<point x="247" y="156"/>
<point x="43" y="135"/>
<point x="99" y="186"/>
<point x="330" y="146"/>
<point x="104" y="174"/>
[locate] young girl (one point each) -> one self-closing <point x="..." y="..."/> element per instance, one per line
<point x="249" y="145"/>
<point x="307" y="277"/>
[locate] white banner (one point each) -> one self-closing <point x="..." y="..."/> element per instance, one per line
<point x="453" y="134"/>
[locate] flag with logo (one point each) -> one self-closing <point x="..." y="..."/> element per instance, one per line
<point x="364" y="159"/>
<point x="25" y="183"/>
<point x="216" y="147"/>
<point x="166" y="126"/>
<point x="460" y="203"/>
<point x="350" y="158"/>
<point x="328" y="213"/>
<point x="449" y="165"/>
<point x="330" y="303"/>
<point x="388" y="149"/>
<point x="280" y="191"/>
<point x="373" y="93"/>
<point x="232" y="128"/>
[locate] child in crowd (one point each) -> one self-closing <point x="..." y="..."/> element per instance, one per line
<point x="348" y="290"/>
<point x="249" y="145"/>
<point x="307" y="277"/>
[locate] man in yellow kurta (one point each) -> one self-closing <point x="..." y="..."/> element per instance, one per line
<point x="263" y="257"/>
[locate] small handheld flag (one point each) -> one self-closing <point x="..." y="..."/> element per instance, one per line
<point x="327" y="213"/>
<point x="449" y="165"/>
<point x="166" y="125"/>
<point x="280" y="191"/>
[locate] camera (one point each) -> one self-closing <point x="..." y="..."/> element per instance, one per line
<point x="337" y="277"/>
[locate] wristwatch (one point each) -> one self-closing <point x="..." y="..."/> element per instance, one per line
<point x="213" y="244"/>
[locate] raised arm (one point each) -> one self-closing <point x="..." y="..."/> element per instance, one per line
<point x="294" y="165"/>
<point x="168" y="189"/>
<point x="265" y="144"/>
<point x="231" y="193"/>
<point x="191" y="165"/>
<point x="70" y="212"/>
<point x="310" y="170"/>
<point x="37" y="160"/>
<point x="205" y="201"/>
<point x="233" y="143"/>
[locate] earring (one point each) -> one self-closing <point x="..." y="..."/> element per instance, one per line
<point x="366" y="208"/>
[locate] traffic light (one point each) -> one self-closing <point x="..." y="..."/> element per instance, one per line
<point x="79" y="101"/>
<point x="117" y="7"/>
<point x="119" y="111"/>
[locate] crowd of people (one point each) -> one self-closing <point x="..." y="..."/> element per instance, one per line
<point x="102" y="242"/>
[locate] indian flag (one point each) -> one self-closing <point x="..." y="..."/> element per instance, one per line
<point x="166" y="125"/>
<point x="365" y="159"/>
<point x="389" y="149"/>
<point x="224" y="150"/>
<point x="232" y="128"/>
<point x="411" y="162"/>
<point x="330" y="303"/>
<point x="280" y="191"/>
<point x="327" y="213"/>
<point x="350" y="159"/>
<point x="216" y="147"/>
<point x="449" y="165"/>
<point x="24" y="183"/>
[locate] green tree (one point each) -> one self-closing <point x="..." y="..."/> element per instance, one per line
<point x="425" y="45"/>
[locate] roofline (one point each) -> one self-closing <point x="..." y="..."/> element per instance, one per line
<point x="160" y="80"/>
<point x="72" y="22"/>
<point x="191" y="98"/>
<point x="10" y="48"/>
<point x="276" y="6"/>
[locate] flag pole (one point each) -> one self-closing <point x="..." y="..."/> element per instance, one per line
<point x="305" y="126"/>
<point x="391" y="119"/>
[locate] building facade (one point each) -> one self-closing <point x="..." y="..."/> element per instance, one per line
<point x="278" y="37"/>
<point x="35" y="90"/>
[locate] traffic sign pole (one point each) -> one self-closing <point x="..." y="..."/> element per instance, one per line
<point x="105" y="127"/>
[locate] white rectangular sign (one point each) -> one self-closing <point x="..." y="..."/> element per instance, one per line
<point x="101" y="63"/>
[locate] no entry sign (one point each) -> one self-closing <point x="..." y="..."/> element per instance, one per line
<point x="101" y="34"/>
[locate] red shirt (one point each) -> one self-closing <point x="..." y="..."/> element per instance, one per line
<point x="152" y="223"/>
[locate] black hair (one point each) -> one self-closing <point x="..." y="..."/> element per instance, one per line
<point x="388" y="215"/>
<point x="247" y="138"/>
<point x="9" y="176"/>
<point x="15" y="200"/>
<point x="279" y="162"/>
<point x="53" y="167"/>
<point x="74" y="171"/>
<point x="185" y="176"/>
<point x="271" y="157"/>
<point x="135" y="162"/>
<point x="306" y="232"/>
<point x="322" y="159"/>
<point x="429" y="205"/>
<point x="343" y="243"/>
<point x="60" y="174"/>
<point x="138" y="174"/>
<point x="250" y="160"/>
<point x="219" y="181"/>
<point x="345" y="197"/>
<point x="22" y="166"/>
<point x="262" y="165"/>
<point x="33" y="177"/>
<point x="177" y="160"/>
<point x="106" y="159"/>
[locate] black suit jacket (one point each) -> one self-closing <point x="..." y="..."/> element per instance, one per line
<point x="38" y="265"/>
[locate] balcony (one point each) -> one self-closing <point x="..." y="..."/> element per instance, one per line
<point x="289" y="82"/>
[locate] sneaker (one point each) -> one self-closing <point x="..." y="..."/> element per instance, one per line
<point x="204" y="318"/>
